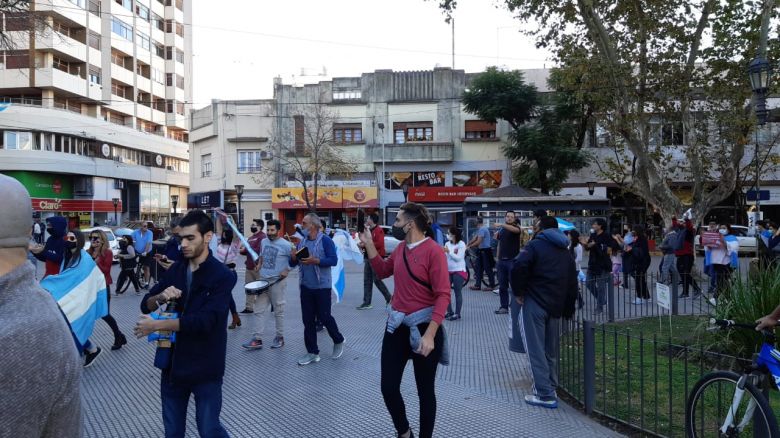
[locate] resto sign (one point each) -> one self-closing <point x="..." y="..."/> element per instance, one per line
<point x="442" y="194"/>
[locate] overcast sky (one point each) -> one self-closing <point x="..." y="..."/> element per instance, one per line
<point x="239" y="46"/>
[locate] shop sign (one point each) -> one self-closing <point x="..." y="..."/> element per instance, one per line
<point x="360" y="197"/>
<point x="429" y="179"/>
<point x="487" y="179"/>
<point x="293" y="197"/>
<point x="44" y="185"/>
<point x="442" y="194"/>
<point x="205" y="200"/>
<point x="74" y="205"/>
<point x="331" y="183"/>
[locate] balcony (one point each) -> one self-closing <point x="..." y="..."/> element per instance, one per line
<point x="62" y="45"/>
<point x="54" y="78"/>
<point x="412" y="152"/>
<point x="65" y="9"/>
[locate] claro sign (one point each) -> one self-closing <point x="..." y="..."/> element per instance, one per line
<point x="74" y="205"/>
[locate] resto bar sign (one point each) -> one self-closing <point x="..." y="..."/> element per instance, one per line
<point x="442" y="194"/>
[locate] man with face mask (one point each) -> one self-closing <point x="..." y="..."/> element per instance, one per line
<point x="53" y="252"/>
<point x="252" y="268"/>
<point x="316" y="284"/>
<point x="599" y="244"/>
<point x="369" y="279"/>
<point x="274" y="265"/>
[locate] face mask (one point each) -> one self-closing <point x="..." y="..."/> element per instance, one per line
<point x="253" y="229"/>
<point x="399" y="233"/>
<point x="723" y="232"/>
<point x="70" y="245"/>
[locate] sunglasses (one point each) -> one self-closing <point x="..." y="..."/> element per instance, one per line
<point x="71" y="238"/>
<point x="94" y="238"/>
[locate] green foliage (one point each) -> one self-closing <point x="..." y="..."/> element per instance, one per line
<point x="545" y="141"/>
<point x="747" y="301"/>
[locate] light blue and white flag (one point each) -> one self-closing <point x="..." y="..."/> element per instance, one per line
<point x="4" y="106"/>
<point x="346" y="249"/>
<point x="81" y="293"/>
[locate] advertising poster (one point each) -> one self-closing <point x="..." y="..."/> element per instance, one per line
<point x="360" y="197"/>
<point x="429" y="179"/>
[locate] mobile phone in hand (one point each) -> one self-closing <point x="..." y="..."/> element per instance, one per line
<point x="361" y="221"/>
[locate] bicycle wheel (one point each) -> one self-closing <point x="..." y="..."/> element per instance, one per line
<point x="714" y="402"/>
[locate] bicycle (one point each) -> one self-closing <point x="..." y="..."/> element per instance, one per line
<point x="138" y="273"/>
<point x="754" y="417"/>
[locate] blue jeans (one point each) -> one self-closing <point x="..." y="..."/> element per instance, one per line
<point x="317" y="302"/>
<point x="597" y="285"/>
<point x="208" y="403"/>
<point x="504" y="268"/>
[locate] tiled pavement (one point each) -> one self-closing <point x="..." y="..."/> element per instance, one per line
<point x="267" y="395"/>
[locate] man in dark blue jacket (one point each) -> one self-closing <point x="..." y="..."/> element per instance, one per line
<point x="53" y="252"/>
<point x="544" y="281"/>
<point x="198" y="288"/>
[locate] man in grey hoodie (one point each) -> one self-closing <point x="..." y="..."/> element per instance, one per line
<point x="544" y="281"/>
<point x="40" y="369"/>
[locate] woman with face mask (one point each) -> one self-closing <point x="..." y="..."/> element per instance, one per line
<point x="413" y="330"/>
<point x="227" y="252"/>
<point x="455" y="249"/>
<point x="724" y="258"/>
<point x="80" y="285"/>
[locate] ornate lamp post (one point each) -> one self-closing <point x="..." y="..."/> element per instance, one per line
<point x="175" y="202"/>
<point x="240" y="193"/>
<point x="591" y="187"/>
<point x="116" y="204"/>
<point x="405" y="189"/>
<point x="760" y="73"/>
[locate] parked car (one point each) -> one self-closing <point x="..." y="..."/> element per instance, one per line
<point x="390" y="242"/>
<point x="747" y="244"/>
<point x="112" y="240"/>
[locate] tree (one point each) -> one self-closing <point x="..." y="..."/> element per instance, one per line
<point x="306" y="153"/>
<point x="545" y="141"/>
<point x="652" y="63"/>
<point x="19" y="14"/>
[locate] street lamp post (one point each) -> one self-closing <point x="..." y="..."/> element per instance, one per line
<point x="405" y="189"/>
<point x="381" y="127"/>
<point x="116" y="203"/>
<point x="760" y="73"/>
<point x="591" y="187"/>
<point x="240" y="193"/>
<point x="175" y="202"/>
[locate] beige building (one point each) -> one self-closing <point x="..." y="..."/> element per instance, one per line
<point x="108" y="83"/>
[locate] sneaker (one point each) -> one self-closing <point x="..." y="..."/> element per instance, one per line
<point x="338" y="350"/>
<point x="247" y="311"/>
<point x="254" y="344"/>
<point x="119" y="342"/>
<point x="308" y="358"/>
<point x="454" y="317"/>
<point x="638" y="301"/>
<point x="448" y="315"/>
<point x="278" y="342"/>
<point x="502" y="311"/>
<point x="474" y="287"/>
<point x="489" y="288"/>
<point x="365" y="307"/>
<point x="536" y="401"/>
<point x="89" y="358"/>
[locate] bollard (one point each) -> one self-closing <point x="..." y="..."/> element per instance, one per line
<point x="610" y="300"/>
<point x="589" y="362"/>
<point x="675" y="288"/>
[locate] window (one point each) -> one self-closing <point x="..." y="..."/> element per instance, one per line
<point x="205" y="165"/>
<point x="128" y="4"/>
<point x="180" y="81"/>
<point x="159" y="104"/>
<point x="142" y="12"/>
<point x="347" y="95"/>
<point x="300" y="148"/>
<point x="413" y="131"/>
<point x="672" y="134"/>
<point x="168" y="52"/>
<point x="121" y="29"/>
<point x="476" y="129"/>
<point x="121" y="90"/>
<point x="158" y="22"/>
<point x="347" y="133"/>
<point x="169" y="79"/>
<point x="79" y="3"/>
<point x="159" y="50"/>
<point x="18" y="140"/>
<point x="180" y="5"/>
<point x="143" y="41"/>
<point x="180" y="108"/>
<point x="13" y="59"/>
<point x="94" y="7"/>
<point x="94" y="75"/>
<point x="179" y="56"/>
<point x="121" y="60"/>
<point x="94" y="40"/>
<point x="158" y="76"/>
<point x="248" y="161"/>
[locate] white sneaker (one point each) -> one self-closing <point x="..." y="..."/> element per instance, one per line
<point x="638" y="301"/>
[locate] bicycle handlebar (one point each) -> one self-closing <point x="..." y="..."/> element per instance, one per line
<point x="728" y="323"/>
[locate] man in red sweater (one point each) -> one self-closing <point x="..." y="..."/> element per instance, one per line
<point x="369" y="279"/>
<point x="685" y="254"/>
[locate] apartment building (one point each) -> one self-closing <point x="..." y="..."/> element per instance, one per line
<point x="98" y="100"/>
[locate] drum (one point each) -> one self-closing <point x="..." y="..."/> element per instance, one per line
<point x="257" y="287"/>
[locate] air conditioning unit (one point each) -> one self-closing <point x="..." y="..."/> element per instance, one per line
<point x="119" y="184"/>
<point x="170" y="168"/>
<point x="265" y="155"/>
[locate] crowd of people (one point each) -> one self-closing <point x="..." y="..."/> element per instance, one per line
<point x="190" y="307"/>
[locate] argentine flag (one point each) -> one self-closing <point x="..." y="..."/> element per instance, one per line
<point x="346" y="249"/>
<point x="81" y="293"/>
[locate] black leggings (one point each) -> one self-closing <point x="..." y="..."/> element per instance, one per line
<point x="396" y="351"/>
<point x="124" y="276"/>
<point x="110" y="319"/>
<point x="641" y="285"/>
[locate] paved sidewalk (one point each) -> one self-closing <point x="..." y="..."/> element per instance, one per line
<point x="267" y="395"/>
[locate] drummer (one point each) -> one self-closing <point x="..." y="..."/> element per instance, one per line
<point x="253" y="269"/>
<point x="274" y="265"/>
